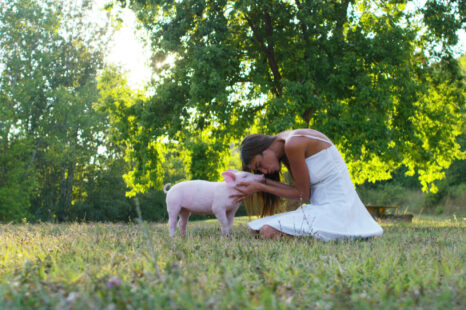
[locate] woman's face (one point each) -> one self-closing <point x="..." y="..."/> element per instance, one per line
<point x="266" y="162"/>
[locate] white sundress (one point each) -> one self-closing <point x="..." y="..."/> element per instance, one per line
<point x="335" y="211"/>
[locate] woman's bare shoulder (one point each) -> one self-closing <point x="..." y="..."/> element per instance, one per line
<point x="304" y="144"/>
<point x="296" y="144"/>
<point x="303" y="132"/>
<point x="284" y="135"/>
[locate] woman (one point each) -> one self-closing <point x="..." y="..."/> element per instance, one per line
<point x="320" y="176"/>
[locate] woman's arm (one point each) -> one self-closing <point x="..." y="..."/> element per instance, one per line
<point x="248" y="188"/>
<point x="277" y="184"/>
<point x="295" y="150"/>
<point x="284" y="191"/>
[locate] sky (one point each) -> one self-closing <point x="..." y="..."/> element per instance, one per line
<point x="129" y="51"/>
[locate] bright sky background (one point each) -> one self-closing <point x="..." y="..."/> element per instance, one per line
<point x="130" y="52"/>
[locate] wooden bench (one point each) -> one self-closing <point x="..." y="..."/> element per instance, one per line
<point x="388" y="212"/>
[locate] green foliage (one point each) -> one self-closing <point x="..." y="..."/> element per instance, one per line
<point x="17" y="185"/>
<point x="101" y="196"/>
<point x="443" y="19"/>
<point x="74" y="137"/>
<point x="451" y="187"/>
<point x="50" y="54"/>
<point x="205" y="158"/>
<point x="405" y="191"/>
<point x="462" y="62"/>
<point x="362" y="72"/>
<point x="100" y="266"/>
<point x="119" y="102"/>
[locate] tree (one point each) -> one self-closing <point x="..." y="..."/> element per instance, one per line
<point x="379" y="79"/>
<point x="17" y="182"/>
<point x="50" y="55"/>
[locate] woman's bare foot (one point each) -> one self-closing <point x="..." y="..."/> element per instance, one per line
<point x="254" y="233"/>
<point x="268" y="232"/>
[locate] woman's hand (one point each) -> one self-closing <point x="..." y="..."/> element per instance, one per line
<point x="245" y="190"/>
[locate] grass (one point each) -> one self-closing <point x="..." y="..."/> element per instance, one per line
<point x="113" y="266"/>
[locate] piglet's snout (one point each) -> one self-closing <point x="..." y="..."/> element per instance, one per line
<point x="254" y="177"/>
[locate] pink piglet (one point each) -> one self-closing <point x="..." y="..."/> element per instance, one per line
<point x="204" y="197"/>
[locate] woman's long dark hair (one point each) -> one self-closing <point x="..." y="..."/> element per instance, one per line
<point x="268" y="204"/>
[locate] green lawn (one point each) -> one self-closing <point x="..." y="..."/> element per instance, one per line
<point x="108" y="266"/>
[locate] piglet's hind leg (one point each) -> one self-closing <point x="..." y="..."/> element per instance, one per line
<point x="172" y="217"/>
<point x="184" y="216"/>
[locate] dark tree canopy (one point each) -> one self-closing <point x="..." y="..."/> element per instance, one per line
<point x="379" y="79"/>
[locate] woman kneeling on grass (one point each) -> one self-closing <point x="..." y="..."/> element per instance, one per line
<point x="320" y="176"/>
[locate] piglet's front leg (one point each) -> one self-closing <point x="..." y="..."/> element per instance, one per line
<point x="221" y="215"/>
<point x="231" y="218"/>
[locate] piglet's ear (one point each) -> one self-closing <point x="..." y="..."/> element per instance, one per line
<point x="229" y="176"/>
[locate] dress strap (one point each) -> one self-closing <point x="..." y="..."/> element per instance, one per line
<point x="311" y="137"/>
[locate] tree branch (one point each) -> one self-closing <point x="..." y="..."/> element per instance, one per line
<point x="304" y="30"/>
<point x="271" y="54"/>
<point x="268" y="51"/>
